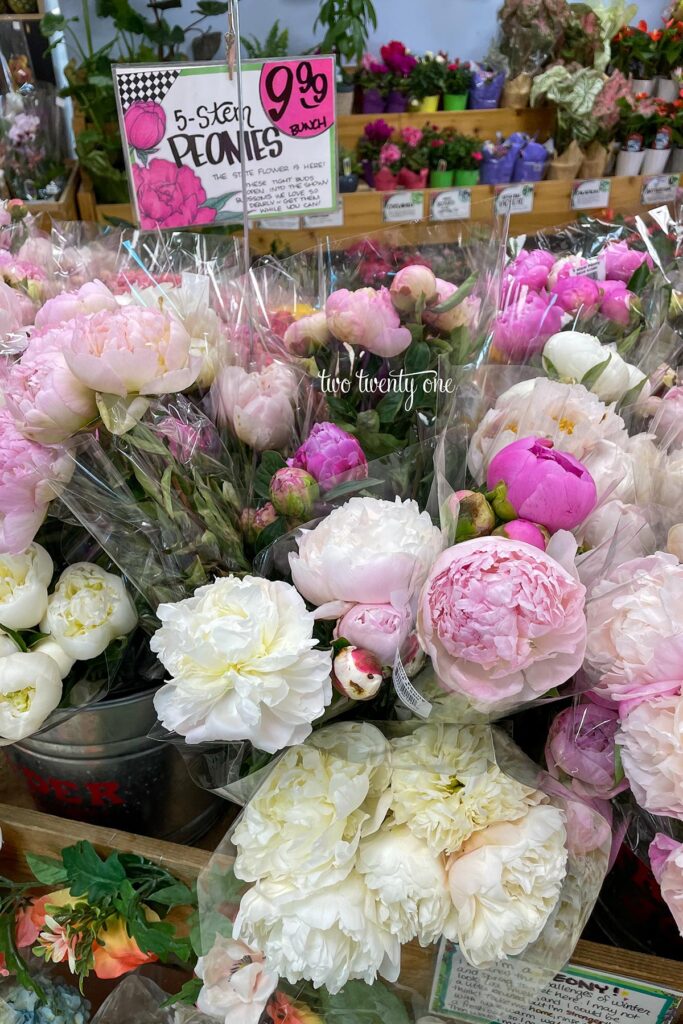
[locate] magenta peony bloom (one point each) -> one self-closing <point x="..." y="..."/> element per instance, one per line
<point x="531" y="268"/>
<point x="578" y="295"/>
<point x="581" y="745"/>
<point x="616" y="300"/>
<point x="378" y="628"/>
<point x="331" y="455"/>
<point x="93" y="297"/>
<point x="170" y="196"/>
<point x="367" y="318"/>
<point x="293" y="492"/>
<point x="541" y="484"/>
<point x="145" y="124"/>
<point x="132" y="351"/>
<point x="566" y="266"/>
<point x="666" y="861"/>
<point x="521" y="330"/>
<point x="528" y="533"/>
<point x="502" y="622"/>
<point x="30" y="477"/>
<point x="620" y="262"/>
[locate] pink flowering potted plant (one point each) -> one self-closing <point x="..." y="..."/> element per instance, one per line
<point x="465" y="158"/>
<point x="375" y="136"/>
<point x="457" y="84"/>
<point x="400" y="63"/>
<point x="373" y="78"/>
<point x="414" y="169"/>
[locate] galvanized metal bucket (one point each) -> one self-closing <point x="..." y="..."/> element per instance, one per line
<point x="100" y="766"/>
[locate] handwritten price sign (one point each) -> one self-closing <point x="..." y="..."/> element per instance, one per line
<point x="186" y="140"/>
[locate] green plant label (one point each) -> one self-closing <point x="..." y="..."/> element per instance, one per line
<point x="403" y="206"/>
<point x="660" y="188"/>
<point x="514" y="198"/>
<point x="591" y="194"/>
<point x="452" y="204"/>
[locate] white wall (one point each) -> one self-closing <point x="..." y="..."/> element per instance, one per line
<point x="463" y="27"/>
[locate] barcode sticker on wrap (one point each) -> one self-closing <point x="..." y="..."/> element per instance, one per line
<point x="407" y="693"/>
<point x="591" y="268"/>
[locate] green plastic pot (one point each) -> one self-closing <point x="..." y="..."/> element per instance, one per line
<point x="465" y="179"/>
<point x="440" y="179"/>
<point x="452" y="101"/>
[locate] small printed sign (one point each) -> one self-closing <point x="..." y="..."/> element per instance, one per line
<point x="403" y="206"/>
<point x="326" y="220"/>
<point x="184" y="144"/>
<point x="578" y="994"/>
<point x="453" y="204"/>
<point x="515" y="198"/>
<point x="279" y="224"/>
<point x="591" y="194"/>
<point x="660" y="188"/>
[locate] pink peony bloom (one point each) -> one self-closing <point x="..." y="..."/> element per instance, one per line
<point x="587" y="827"/>
<point x="14" y="312"/>
<point x="145" y="124"/>
<point x="48" y="402"/>
<point x="259" y="406"/>
<point x="668" y="420"/>
<point x="530" y="268"/>
<point x="30" y="477"/>
<point x="170" y="196"/>
<point x="581" y="747"/>
<point x="367" y="318"/>
<point x="567" y="266"/>
<point x="465" y="314"/>
<point x="411" y="284"/>
<point x="578" y="295"/>
<point x="307" y="334"/>
<point x="254" y="520"/>
<point x="521" y="330"/>
<point x="541" y="484"/>
<point x="378" y="628"/>
<point x="666" y="861"/>
<point x="620" y="262"/>
<point x="616" y="301"/>
<point x="132" y="351"/>
<point x="502" y="622"/>
<point x="651" y="741"/>
<point x="331" y="456"/>
<point x="635" y="629"/>
<point x="93" y="297"/>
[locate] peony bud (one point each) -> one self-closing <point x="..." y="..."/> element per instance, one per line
<point x="475" y="516"/>
<point x="411" y="284"/>
<point x="254" y="520"/>
<point x="357" y="673"/>
<point x="307" y="335"/>
<point x="293" y="492"/>
<point x="528" y="533"/>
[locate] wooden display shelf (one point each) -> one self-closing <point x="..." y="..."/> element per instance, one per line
<point x="64" y="208"/>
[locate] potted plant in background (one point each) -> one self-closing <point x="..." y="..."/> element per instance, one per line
<point x="644" y="135"/>
<point x="634" y="53"/>
<point x="400" y="63"/>
<point x="427" y="81"/>
<point x="372" y="77"/>
<point x="348" y="178"/>
<point x="414" y="169"/>
<point x="276" y="44"/>
<point x="347" y="25"/>
<point x="458" y="79"/>
<point x="466" y="158"/>
<point x="670" y="47"/>
<point x="375" y="135"/>
<point x="439" y="155"/>
<point x="677" y="136"/>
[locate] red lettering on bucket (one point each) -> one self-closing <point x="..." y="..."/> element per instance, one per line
<point x="36" y="783"/>
<point x="64" y="790"/>
<point x="104" y="793"/>
<point x="96" y="794"/>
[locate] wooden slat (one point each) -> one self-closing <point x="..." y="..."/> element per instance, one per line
<point x="64" y="208"/>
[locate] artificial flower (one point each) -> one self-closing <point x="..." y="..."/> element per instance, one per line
<point x="87" y="609"/>
<point x="237" y="982"/>
<point x="115" y="952"/>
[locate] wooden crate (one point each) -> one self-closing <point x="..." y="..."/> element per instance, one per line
<point x="103" y="213"/>
<point x="64" y="208"/>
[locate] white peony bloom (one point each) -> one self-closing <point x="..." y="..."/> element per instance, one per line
<point x="237" y="982"/>
<point x="409" y="883"/>
<point x="88" y="608"/>
<point x="628" y="472"/>
<point x="572" y="417"/>
<point x="306" y="821"/>
<point x="651" y="741"/>
<point x="367" y="551"/>
<point x="445" y="785"/>
<point x="623" y="531"/>
<point x="30" y="688"/>
<point x="327" y="937"/>
<point x="55" y="651"/>
<point x="24" y="581"/>
<point x="240" y="656"/>
<point x="573" y="354"/>
<point x="670" y="481"/>
<point x="505" y="883"/>
<point x="7" y="645"/>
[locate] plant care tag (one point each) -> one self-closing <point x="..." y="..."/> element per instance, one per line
<point x="279" y="224"/>
<point x="659" y="188"/>
<point x="326" y="220"/>
<point x="514" y="199"/>
<point x="454" y="204"/>
<point x="184" y="143"/>
<point x="407" y="693"/>
<point x="403" y="206"/>
<point x="590" y="194"/>
<point x="518" y="992"/>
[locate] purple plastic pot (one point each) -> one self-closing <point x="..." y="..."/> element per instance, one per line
<point x="368" y="173"/>
<point x="485" y="91"/>
<point x="373" y="102"/>
<point x="397" y="102"/>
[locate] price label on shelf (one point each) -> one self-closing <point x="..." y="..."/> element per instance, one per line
<point x="279" y="224"/>
<point x="515" y="198"/>
<point x="185" y="144"/>
<point x="659" y="188"/>
<point x="591" y="193"/>
<point x="454" y="204"/>
<point x="326" y="220"/>
<point x="403" y="206"/>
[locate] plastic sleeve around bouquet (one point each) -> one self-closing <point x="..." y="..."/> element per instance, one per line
<point x="359" y="907"/>
<point x="138" y="1000"/>
<point x="32" y="137"/>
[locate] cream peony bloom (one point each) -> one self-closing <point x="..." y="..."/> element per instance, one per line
<point x="237" y="982"/>
<point x="24" y="581"/>
<point x="573" y="418"/>
<point x="88" y="608"/>
<point x="408" y="882"/>
<point x="574" y="353"/>
<point x="327" y="937"/>
<point x="446" y="785"/>
<point x="505" y="883"/>
<point x="242" y="665"/>
<point x="305" y="822"/>
<point x="651" y="741"/>
<point x="30" y="689"/>
<point x="368" y="551"/>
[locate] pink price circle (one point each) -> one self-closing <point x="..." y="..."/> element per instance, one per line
<point x="298" y="95"/>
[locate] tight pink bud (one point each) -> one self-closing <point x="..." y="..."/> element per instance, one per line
<point x="357" y="673"/>
<point x="254" y="520"/>
<point x="529" y="533"/>
<point x="293" y="492"/>
<point x="411" y="284"/>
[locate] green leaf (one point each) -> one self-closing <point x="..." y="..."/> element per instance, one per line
<point x="189" y="993"/>
<point x="627" y="344"/>
<point x="589" y="378"/>
<point x="352" y="487"/>
<point x="456" y="298"/>
<point x="271" y="533"/>
<point x="372" y="1004"/>
<point x="219" y="202"/>
<point x="639" y="278"/>
<point x="212" y="8"/>
<point x="89" y="875"/>
<point x="390" y="407"/>
<point x="177" y="895"/>
<point x="52" y="23"/>
<point x="550" y="368"/>
<point x="630" y="397"/>
<point x="47" y="870"/>
<point x="417" y="358"/>
<point x="17" y="637"/>
<point x="619" y="773"/>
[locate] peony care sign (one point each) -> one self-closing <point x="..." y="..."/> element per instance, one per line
<point x="185" y="140"/>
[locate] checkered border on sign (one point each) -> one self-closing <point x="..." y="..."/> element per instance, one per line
<point x="144" y="86"/>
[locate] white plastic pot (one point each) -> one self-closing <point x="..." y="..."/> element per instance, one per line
<point x="667" y="89"/>
<point x="677" y="160"/>
<point x="629" y="163"/>
<point x="655" y="161"/>
<point x="646" y="85"/>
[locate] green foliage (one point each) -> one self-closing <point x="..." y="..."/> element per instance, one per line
<point x="347" y="25"/>
<point x="276" y="44"/>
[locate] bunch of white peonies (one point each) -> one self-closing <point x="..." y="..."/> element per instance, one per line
<point x="357" y="844"/>
<point x="87" y="609"/>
